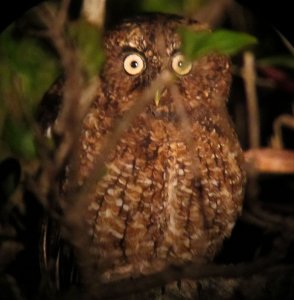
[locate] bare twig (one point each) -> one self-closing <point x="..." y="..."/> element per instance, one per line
<point x="214" y="12"/>
<point x="120" y="126"/>
<point x="283" y="120"/>
<point x="74" y="217"/>
<point x="94" y="11"/>
<point x="260" y="81"/>
<point x="185" y="128"/>
<point x="248" y="74"/>
<point x="249" y="77"/>
<point x="268" y="221"/>
<point x="189" y="271"/>
<point x="77" y="97"/>
<point x="286" y="42"/>
<point x="267" y="160"/>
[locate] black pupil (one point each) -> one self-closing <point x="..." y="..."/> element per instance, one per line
<point x="134" y="64"/>
<point x="180" y="63"/>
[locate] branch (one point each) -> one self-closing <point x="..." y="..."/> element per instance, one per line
<point x="189" y="271"/>
<point x="248" y="74"/>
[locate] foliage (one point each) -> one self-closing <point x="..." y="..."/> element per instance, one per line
<point x="171" y="6"/>
<point x="26" y="71"/>
<point x="29" y="65"/>
<point x="222" y="41"/>
<point x="87" y="39"/>
<point x="23" y="59"/>
<point x="286" y="61"/>
<point x="19" y="137"/>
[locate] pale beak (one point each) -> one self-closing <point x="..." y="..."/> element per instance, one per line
<point x="157" y="97"/>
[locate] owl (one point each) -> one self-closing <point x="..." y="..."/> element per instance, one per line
<point x="173" y="183"/>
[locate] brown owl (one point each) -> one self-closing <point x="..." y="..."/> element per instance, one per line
<point x="173" y="185"/>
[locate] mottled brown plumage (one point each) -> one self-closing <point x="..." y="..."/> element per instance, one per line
<point x="171" y="192"/>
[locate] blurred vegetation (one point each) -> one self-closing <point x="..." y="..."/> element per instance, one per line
<point x="222" y="41"/>
<point x="88" y="42"/>
<point x="28" y="67"/>
<point x="172" y="6"/>
<point x="26" y="71"/>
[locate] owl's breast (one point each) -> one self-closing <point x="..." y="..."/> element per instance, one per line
<point x="165" y="198"/>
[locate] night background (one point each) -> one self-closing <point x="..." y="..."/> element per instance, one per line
<point x="259" y="254"/>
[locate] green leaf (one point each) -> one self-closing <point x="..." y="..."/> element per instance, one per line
<point x="27" y="70"/>
<point x="196" y="44"/>
<point x="88" y="41"/>
<point x="25" y="61"/>
<point x="286" y="61"/>
<point x="19" y="137"/>
<point x="171" y="6"/>
<point x="164" y="6"/>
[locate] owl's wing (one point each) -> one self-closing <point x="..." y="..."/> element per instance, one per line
<point x="50" y="105"/>
<point x="56" y="255"/>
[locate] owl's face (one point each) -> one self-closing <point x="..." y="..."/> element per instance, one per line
<point x="138" y="50"/>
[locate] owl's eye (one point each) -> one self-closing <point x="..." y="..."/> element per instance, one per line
<point x="180" y="65"/>
<point x="134" y="64"/>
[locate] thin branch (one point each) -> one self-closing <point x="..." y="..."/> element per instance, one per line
<point x="213" y="12"/>
<point x="269" y="160"/>
<point x="120" y="126"/>
<point x="75" y="226"/>
<point x="249" y="77"/>
<point x="185" y="128"/>
<point x="273" y="220"/>
<point x="286" y="42"/>
<point x="282" y="120"/>
<point x="94" y="11"/>
<point x="189" y="271"/>
<point x="77" y="97"/>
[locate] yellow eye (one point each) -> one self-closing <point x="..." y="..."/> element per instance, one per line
<point x="180" y="65"/>
<point x="134" y="64"/>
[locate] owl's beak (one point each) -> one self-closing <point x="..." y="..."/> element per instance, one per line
<point x="157" y="97"/>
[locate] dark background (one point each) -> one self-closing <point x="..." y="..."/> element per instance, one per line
<point x="277" y="13"/>
<point x="247" y="240"/>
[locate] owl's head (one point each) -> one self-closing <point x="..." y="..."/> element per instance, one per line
<point x="137" y="50"/>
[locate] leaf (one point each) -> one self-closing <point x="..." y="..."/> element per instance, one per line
<point x="88" y="41"/>
<point x="25" y="60"/>
<point x="196" y="44"/>
<point x="286" y="61"/>
<point x="171" y="6"/>
<point x="27" y="69"/>
<point x="19" y="138"/>
<point x="164" y="6"/>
